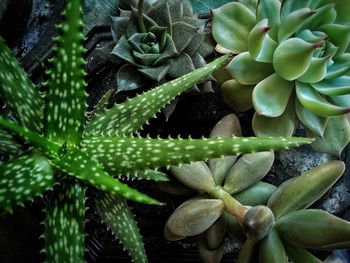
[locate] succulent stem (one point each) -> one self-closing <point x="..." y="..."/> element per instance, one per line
<point x="140" y="16"/>
<point x="231" y="204"/>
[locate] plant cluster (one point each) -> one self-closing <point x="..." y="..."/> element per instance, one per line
<point x="51" y="145"/>
<point x="271" y="223"/>
<point x="292" y="64"/>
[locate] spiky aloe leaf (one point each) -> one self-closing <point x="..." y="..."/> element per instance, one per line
<point x="79" y="165"/>
<point x="150" y="175"/>
<point x="8" y="145"/>
<point x="129" y="154"/>
<point x="23" y="179"/>
<point x="19" y="92"/>
<point x="65" y="118"/>
<point x="116" y="214"/>
<point x="64" y="226"/>
<point x="132" y="115"/>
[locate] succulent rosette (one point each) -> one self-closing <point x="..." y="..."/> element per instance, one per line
<point x="158" y="41"/>
<point x="292" y="63"/>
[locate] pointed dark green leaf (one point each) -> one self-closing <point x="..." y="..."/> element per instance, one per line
<point x="302" y="191"/>
<point x="156" y="73"/>
<point x="271" y="249"/>
<point x="292" y="58"/>
<point x="181" y="66"/>
<point x="315" y="229"/>
<point x="79" y="165"/>
<point x="65" y="119"/>
<point x="247" y="71"/>
<point x="300" y="255"/>
<point x="200" y="6"/>
<point x="271" y="96"/>
<point x="336" y="136"/>
<point x="150" y="175"/>
<point x="128" y="78"/>
<point x="116" y="214"/>
<point x="19" y="92"/>
<point x="333" y="87"/>
<point x="183" y="34"/>
<point x="140" y="109"/>
<point x="123" y="155"/>
<point x="123" y="50"/>
<point x="23" y="179"/>
<point x="342" y="8"/>
<point x="8" y="145"/>
<point x="118" y="27"/>
<point x="101" y="105"/>
<point x="237" y="96"/>
<point x="231" y="26"/>
<point x="64" y="226"/>
<point x="313" y="122"/>
<point x="315" y="103"/>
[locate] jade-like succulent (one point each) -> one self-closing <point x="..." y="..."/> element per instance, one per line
<point x="221" y="183"/>
<point x="53" y="143"/>
<point x="292" y="64"/>
<point x="158" y="42"/>
<point x="286" y="229"/>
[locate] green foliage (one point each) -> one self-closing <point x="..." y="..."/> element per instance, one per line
<point x="158" y="42"/>
<point x="63" y="141"/>
<point x="288" y="53"/>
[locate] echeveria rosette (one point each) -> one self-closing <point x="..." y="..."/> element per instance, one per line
<point x="221" y="184"/>
<point x="291" y="228"/>
<point x="172" y="43"/>
<point x="292" y="63"/>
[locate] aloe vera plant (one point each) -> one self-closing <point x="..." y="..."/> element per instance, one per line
<point x="158" y="41"/>
<point x="221" y="184"/>
<point x="292" y="64"/>
<point x="51" y="143"/>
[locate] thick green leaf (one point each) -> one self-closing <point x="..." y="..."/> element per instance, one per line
<point x="150" y="175"/>
<point x="333" y="87"/>
<point x="200" y="6"/>
<point x="79" y="165"/>
<point x="183" y="34"/>
<point x="315" y="229"/>
<point x="248" y="252"/>
<point x="302" y="191"/>
<point x="342" y="8"/>
<point x="23" y="179"/>
<point x="338" y="34"/>
<point x="19" y="92"/>
<point x="289" y="6"/>
<point x="128" y="78"/>
<point x="64" y="226"/>
<point x="292" y="58"/>
<point x="271" y="249"/>
<point x="66" y="96"/>
<point x="123" y="155"/>
<point x="237" y="96"/>
<point x="270" y="9"/>
<point x="316" y="72"/>
<point x="340" y="67"/>
<point x="300" y="255"/>
<point x="247" y="71"/>
<point x="8" y="145"/>
<point x="116" y="214"/>
<point x="258" y="194"/>
<point x="336" y="136"/>
<point x="315" y="103"/>
<point x="140" y="109"/>
<point x="271" y="96"/>
<point x="231" y="26"/>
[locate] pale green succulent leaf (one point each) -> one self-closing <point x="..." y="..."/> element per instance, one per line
<point x="140" y="109"/>
<point x="236" y="40"/>
<point x="297" y="230"/>
<point x="271" y="249"/>
<point x="251" y="4"/>
<point x="300" y="255"/>
<point x="248" y="170"/>
<point x="194" y="216"/>
<point x="65" y="119"/>
<point x="343" y="100"/>
<point x="289" y="6"/>
<point x="271" y="96"/>
<point x="116" y="214"/>
<point x="340" y="66"/>
<point x="338" y="34"/>
<point x="270" y="9"/>
<point x="19" y="91"/>
<point x="24" y="178"/>
<point x="336" y="136"/>
<point x="324" y="15"/>
<point x="79" y="165"/>
<point x="293" y="22"/>
<point x="236" y="95"/>
<point x="343" y="9"/>
<point x="316" y="72"/>
<point x="123" y="155"/>
<point x="315" y="103"/>
<point x="209" y="255"/>
<point x="313" y="122"/>
<point x="64" y="225"/>
<point x="128" y="78"/>
<point x="257" y="194"/>
<point x="310" y="36"/>
<point x="333" y="87"/>
<point x="215" y="234"/>
<point x="302" y="191"/>
<point x="244" y="69"/>
<point x="8" y="145"/>
<point x="248" y="253"/>
<point x="283" y="125"/>
<point x="200" y="6"/>
<point x="292" y="58"/>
